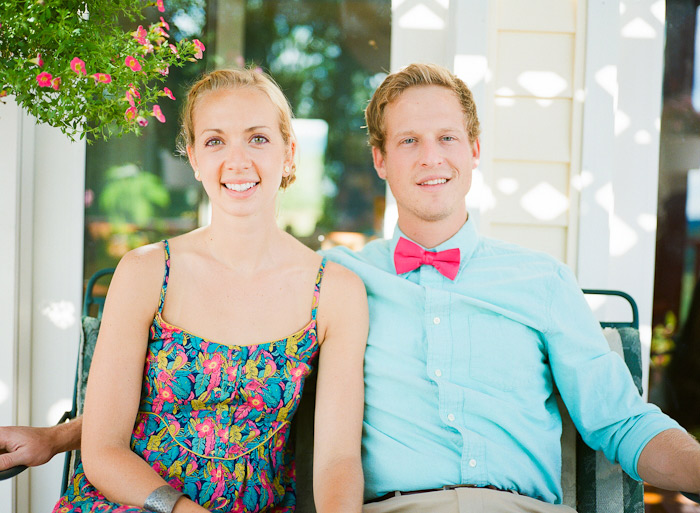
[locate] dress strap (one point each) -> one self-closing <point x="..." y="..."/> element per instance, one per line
<point x="317" y="288"/>
<point x="164" y="288"/>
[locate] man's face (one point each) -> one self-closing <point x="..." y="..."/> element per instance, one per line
<point x="428" y="158"/>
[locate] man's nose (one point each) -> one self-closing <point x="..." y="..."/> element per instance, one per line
<point x="431" y="154"/>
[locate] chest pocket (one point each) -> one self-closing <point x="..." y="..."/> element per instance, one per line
<point x="504" y="354"/>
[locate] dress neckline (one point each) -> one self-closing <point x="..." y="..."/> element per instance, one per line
<point x="158" y="318"/>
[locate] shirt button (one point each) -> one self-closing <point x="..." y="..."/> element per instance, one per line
<point x="451" y="418"/>
<point x="438" y="372"/>
<point x="472" y="463"/>
<point x="436" y="320"/>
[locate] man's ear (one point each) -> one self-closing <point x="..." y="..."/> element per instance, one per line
<point x="193" y="162"/>
<point x="476" y="152"/>
<point x="379" y="162"/>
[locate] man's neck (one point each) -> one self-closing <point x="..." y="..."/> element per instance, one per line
<point x="431" y="234"/>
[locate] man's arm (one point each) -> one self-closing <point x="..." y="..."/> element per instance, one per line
<point x="32" y="446"/>
<point x="671" y="460"/>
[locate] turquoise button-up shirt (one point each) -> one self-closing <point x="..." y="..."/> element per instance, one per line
<point x="459" y="374"/>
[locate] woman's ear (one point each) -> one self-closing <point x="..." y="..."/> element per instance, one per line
<point x="193" y="162"/>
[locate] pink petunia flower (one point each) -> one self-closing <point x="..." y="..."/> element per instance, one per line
<point x="37" y="61"/>
<point x="146" y="49"/>
<point x="200" y="48"/>
<point x="142" y="121"/>
<point x="168" y="93"/>
<point x="134" y="91"/>
<point x="160" y="31"/>
<point x="159" y="4"/>
<point x="130" y="113"/>
<point x="164" y="23"/>
<point x="104" y="78"/>
<point x="132" y="63"/>
<point x="140" y="34"/>
<point x="173" y="48"/>
<point x="158" y="114"/>
<point x="164" y="71"/>
<point x="44" y="79"/>
<point x="78" y="65"/>
<point x="56" y="83"/>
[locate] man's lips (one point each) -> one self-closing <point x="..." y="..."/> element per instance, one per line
<point x="434" y="181"/>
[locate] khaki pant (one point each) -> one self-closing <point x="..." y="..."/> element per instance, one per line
<point x="464" y="500"/>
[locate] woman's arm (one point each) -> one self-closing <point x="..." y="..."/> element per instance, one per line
<point x="115" y="380"/>
<point x="343" y="321"/>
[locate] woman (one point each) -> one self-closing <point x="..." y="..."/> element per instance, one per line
<point x="220" y="332"/>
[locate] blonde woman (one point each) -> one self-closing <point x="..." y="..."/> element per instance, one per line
<point x="229" y="319"/>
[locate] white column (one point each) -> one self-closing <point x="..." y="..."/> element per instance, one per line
<point x="10" y="183"/>
<point x="41" y="268"/>
<point x="624" y="73"/>
<point x="57" y="276"/>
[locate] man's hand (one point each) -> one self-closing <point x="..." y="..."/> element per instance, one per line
<point x="29" y="446"/>
<point x="32" y="446"/>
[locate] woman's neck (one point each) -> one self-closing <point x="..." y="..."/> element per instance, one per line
<point x="244" y="243"/>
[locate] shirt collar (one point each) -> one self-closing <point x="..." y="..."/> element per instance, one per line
<point x="466" y="239"/>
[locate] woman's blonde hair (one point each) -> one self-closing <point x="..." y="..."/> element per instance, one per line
<point x="417" y="75"/>
<point x="234" y="79"/>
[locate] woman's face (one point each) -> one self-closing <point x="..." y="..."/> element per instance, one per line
<point x="239" y="151"/>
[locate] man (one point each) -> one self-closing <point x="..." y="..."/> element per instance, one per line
<point x="467" y="340"/>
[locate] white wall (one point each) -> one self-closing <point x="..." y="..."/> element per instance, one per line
<point x="42" y="264"/>
<point x="620" y="159"/>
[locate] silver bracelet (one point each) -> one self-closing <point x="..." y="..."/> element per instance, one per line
<point x="162" y="500"/>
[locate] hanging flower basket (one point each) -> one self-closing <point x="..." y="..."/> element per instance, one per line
<point x="72" y="65"/>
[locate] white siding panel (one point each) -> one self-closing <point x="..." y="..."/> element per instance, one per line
<point x="537" y="15"/>
<point x="549" y="239"/>
<point x="529" y="129"/>
<point x="531" y="193"/>
<point x="539" y="65"/>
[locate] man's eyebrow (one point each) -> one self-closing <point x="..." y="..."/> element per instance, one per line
<point x="412" y="132"/>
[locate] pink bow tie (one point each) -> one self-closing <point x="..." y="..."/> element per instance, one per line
<point x="409" y="256"/>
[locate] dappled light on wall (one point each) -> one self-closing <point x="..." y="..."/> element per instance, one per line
<point x="544" y="84"/>
<point x="544" y="202"/>
<point x="421" y="17"/>
<point x="62" y="314"/>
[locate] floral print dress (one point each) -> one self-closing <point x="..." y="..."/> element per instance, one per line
<point x="214" y="419"/>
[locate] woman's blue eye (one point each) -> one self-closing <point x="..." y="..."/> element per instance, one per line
<point x="212" y="142"/>
<point x="259" y="139"/>
<point x="409" y="140"/>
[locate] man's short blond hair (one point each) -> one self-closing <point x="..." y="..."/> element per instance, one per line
<point x="417" y="75"/>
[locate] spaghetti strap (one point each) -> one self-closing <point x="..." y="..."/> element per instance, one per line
<point x="164" y="288"/>
<point x="317" y="289"/>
